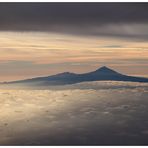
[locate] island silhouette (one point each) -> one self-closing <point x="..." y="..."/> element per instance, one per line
<point x="102" y="74"/>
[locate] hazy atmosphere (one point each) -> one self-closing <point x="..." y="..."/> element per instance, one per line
<point x="73" y="74"/>
<point x="38" y="39"/>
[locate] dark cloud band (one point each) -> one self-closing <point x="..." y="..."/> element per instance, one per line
<point x="73" y="18"/>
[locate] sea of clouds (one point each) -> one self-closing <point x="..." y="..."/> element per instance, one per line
<point x="89" y="113"/>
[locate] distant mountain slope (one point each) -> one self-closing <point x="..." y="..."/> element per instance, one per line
<point x="101" y="74"/>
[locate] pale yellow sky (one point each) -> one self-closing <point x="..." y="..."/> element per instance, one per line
<point x="30" y="54"/>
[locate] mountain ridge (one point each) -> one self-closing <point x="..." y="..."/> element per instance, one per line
<point x="101" y="74"/>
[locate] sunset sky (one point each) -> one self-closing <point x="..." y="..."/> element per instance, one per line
<point x="39" y="39"/>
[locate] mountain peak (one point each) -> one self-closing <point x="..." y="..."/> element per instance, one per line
<point x="106" y="70"/>
<point x="65" y="74"/>
<point x="102" y="74"/>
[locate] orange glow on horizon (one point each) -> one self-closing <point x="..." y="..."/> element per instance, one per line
<point x="67" y="52"/>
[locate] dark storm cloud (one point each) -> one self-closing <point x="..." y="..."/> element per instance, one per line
<point x="72" y="13"/>
<point x="76" y="18"/>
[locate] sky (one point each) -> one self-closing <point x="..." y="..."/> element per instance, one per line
<point x="40" y="39"/>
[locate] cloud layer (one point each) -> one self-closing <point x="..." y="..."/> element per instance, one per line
<point x="48" y="38"/>
<point x="96" y="113"/>
<point x="108" y="19"/>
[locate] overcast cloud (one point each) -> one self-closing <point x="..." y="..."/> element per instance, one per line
<point x="108" y="19"/>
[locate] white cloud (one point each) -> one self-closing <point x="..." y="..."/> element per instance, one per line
<point x="115" y="112"/>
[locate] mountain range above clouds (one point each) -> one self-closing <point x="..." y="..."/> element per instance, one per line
<point x="101" y="74"/>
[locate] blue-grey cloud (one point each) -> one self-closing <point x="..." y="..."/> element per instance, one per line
<point x="111" y="46"/>
<point x="77" y="18"/>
